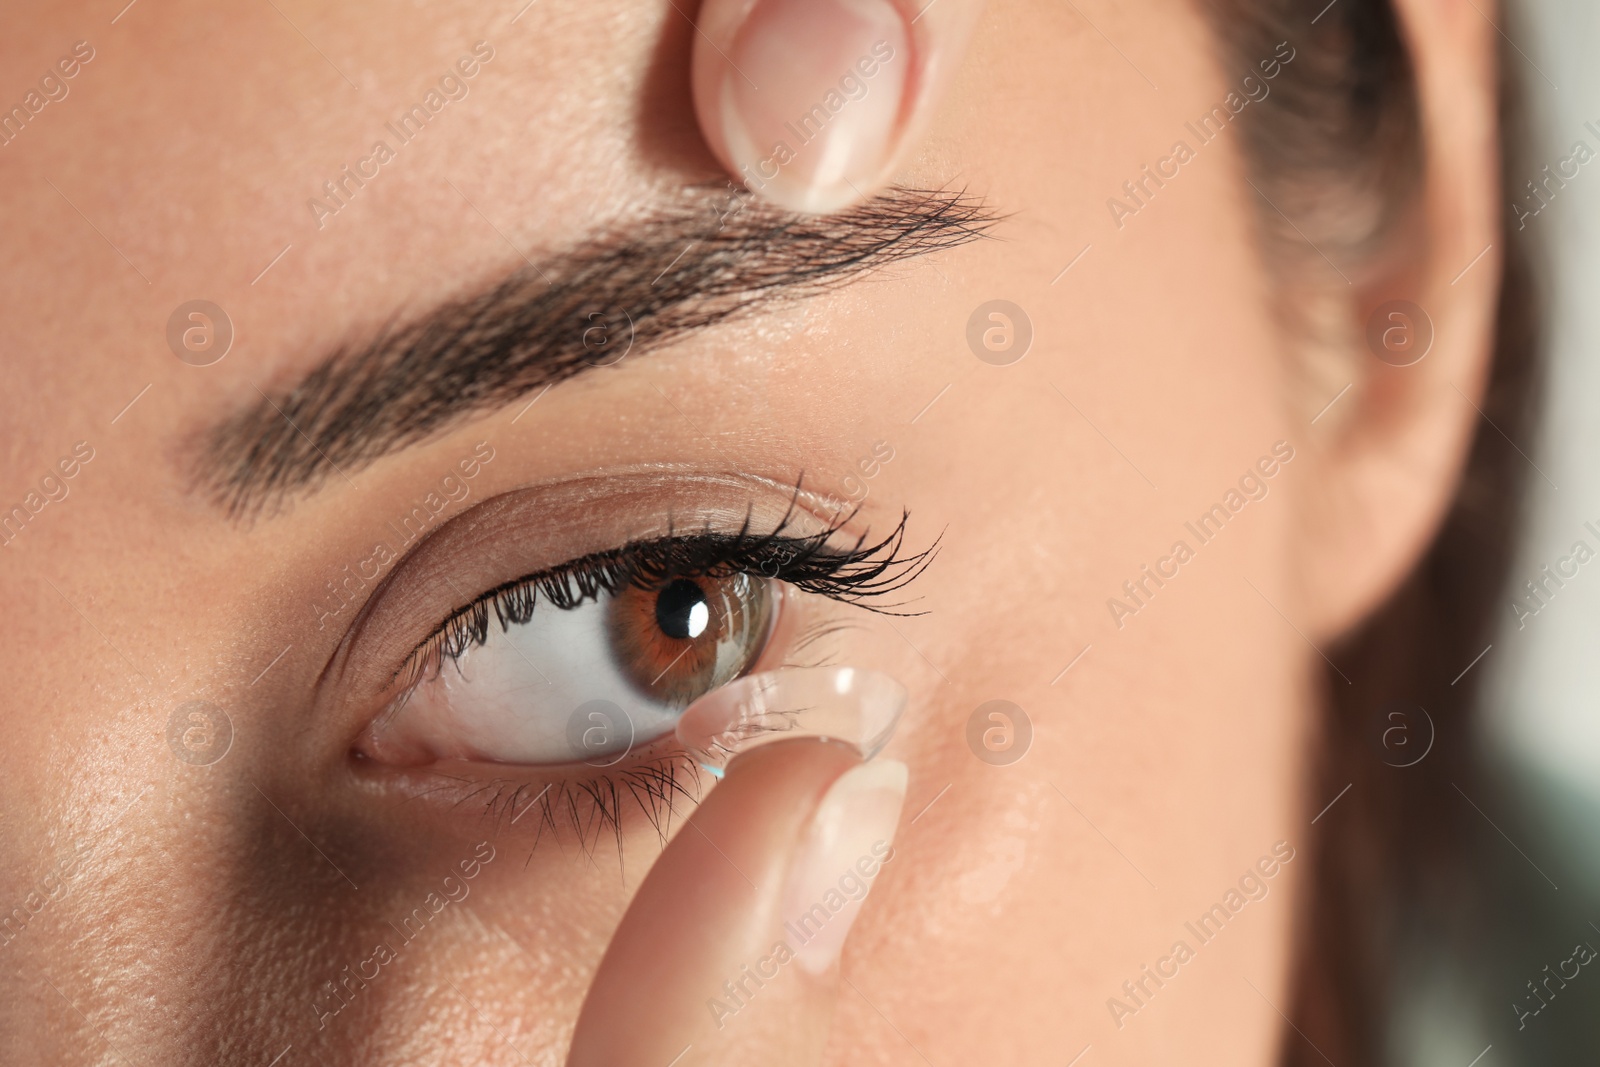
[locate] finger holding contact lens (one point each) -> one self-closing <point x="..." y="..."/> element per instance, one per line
<point x="730" y="950"/>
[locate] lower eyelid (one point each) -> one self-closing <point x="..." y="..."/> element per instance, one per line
<point x="651" y="787"/>
<point x="648" y="790"/>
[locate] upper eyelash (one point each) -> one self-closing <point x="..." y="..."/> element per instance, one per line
<point x="859" y="573"/>
<point x="855" y="574"/>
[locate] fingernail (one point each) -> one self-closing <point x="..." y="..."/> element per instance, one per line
<point x="858" y="707"/>
<point x="811" y="101"/>
<point x="840" y="857"/>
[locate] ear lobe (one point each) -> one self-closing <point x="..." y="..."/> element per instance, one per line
<point x="1385" y="459"/>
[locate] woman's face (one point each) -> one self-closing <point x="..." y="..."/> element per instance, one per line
<point x="212" y="808"/>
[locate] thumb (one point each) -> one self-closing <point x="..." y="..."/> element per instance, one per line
<point x="812" y="103"/>
<point x="729" y="952"/>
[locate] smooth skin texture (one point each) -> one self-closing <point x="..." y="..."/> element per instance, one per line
<point x="192" y="914"/>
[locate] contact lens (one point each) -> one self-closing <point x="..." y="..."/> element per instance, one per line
<point x="857" y="707"/>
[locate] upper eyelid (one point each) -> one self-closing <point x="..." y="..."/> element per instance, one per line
<point x="533" y="527"/>
<point x="883" y="569"/>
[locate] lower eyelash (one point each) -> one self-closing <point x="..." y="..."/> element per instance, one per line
<point x="594" y="807"/>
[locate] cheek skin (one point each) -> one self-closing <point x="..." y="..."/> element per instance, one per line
<point x="1177" y="737"/>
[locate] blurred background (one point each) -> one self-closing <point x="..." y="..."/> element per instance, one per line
<point x="1501" y="991"/>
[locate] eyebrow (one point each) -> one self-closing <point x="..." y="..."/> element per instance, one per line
<point x="677" y="270"/>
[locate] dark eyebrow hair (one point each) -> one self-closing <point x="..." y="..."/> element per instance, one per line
<point x="718" y="255"/>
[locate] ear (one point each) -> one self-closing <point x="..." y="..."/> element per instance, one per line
<point x="1385" y="459"/>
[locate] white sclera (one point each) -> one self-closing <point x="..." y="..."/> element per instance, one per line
<point x="858" y="707"/>
<point x="512" y="699"/>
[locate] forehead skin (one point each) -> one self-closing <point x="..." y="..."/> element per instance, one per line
<point x="201" y="921"/>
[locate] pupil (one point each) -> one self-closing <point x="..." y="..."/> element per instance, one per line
<point x="682" y="610"/>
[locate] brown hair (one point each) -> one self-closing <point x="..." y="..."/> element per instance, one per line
<point x="1337" y="147"/>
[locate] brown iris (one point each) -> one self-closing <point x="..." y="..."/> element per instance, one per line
<point x="680" y="638"/>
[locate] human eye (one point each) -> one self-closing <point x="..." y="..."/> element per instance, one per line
<point x="589" y="660"/>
